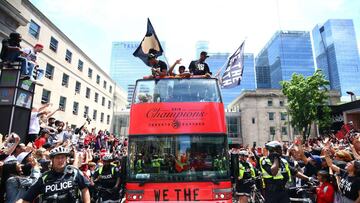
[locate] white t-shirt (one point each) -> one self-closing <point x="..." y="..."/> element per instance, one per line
<point x="30" y="54"/>
<point x="34" y="126"/>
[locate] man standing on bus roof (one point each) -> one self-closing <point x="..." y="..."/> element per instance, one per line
<point x="158" y="67"/>
<point x="199" y="67"/>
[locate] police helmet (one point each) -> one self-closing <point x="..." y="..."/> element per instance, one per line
<point x="273" y="146"/>
<point x="243" y="153"/>
<point x="58" y="151"/>
<point x="107" y="157"/>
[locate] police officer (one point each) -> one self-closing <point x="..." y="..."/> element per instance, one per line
<point x="156" y="163"/>
<point x="246" y="172"/>
<point x="107" y="180"/>
<point x="61" y="184"/>
<point x="276" y="172"/>
<point x="139" y="164"/>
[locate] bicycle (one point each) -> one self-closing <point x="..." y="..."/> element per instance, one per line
<point x="101" y="190"/>
<point x="305" y="193"/>
<point x="255" y="194"/>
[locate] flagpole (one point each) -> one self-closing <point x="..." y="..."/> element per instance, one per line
<point x="166" y="60"/>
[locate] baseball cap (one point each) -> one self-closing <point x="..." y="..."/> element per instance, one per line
<point x="22" y="156"/>
<point x="317" y="159"/>
<point x="204" y="53"/>
<point x="44" y="131"/>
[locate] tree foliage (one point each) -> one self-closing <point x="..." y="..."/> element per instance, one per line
<point x="306" y="98"/>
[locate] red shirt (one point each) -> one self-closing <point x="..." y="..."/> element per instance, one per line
<point x="40" y="142"/>
<point x="325" y="193"/>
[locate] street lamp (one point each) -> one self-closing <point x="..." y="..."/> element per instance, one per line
<point x="352" y="95"/>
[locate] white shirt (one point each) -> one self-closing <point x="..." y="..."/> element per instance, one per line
<point x="30" y="54"/>
<point x="34" y="126"/>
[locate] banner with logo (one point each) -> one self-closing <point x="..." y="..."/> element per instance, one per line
<point x="234" y="69"/>
<point x="149" y="42"/>
<point x="178" y="117"/>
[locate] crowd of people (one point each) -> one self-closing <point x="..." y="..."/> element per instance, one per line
<point x="58" y="163"/>
<point x="330" y="167"/>
<point x="55" y="162"/>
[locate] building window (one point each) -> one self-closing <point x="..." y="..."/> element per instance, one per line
<point x="77" y="87"/>
<point x="103" y="101"/>
<point x="96" y="97"/>
<point x="45" y="98"/>
<point x="109" y="104"/>
<point x="87" y="92"/>
<point x="104" y="85"/>
<point x="281" y="103"/>
<point x="253" y="120"/>
<point x="86" y="111"/>
<point x="98" y="79"/>
<point x="271" y="116"/>
<point x="90" y="73"/>
<point x="233" y="127"/>
<point x="73" y="126"/>
<point x="68" y="56"/>
<point x="283" y="116"/>
<point x="49" y="72"/>
<point x="34" y="29"/>
<point x="110" y="89"/>
<point x="272" y="133"/>
<point x="65" y="80"/>
<point x="102" y="117"/>
<point x="75" y="108"/>
<point x="284" y="130"/>
<point x="53" y="44"/>
<point x="62" y="103"/>
<point x="108" y="119"/>
<point x="270" y="102"/>
<point x="80" y="65"/>
<point x="94" y="115"/>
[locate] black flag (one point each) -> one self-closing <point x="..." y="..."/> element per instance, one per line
<point x="150" y="42"/>
<point x="234" y="69"/>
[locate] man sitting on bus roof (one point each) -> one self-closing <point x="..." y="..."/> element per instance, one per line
<point x="182" y="73"/>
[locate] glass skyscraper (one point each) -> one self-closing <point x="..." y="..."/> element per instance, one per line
<point x="125" y="69"/>
<point x="337" y="54"/>
<point x="286" y="53"/>
<point x="217" y="60"/>
<point x="201" y="46"/>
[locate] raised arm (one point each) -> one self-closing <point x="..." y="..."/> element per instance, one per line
<point x="329" y="162"/>
<point x="173" y="66"/>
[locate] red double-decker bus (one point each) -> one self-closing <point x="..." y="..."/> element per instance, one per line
<point x="177" y="142"/>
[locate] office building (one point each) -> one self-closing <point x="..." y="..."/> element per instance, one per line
<point x="337" y="55"/>
<point x="72" y="81"/>
<point x="286" y="53"/>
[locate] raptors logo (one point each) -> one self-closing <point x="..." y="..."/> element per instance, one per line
<point x="175" y="124"/>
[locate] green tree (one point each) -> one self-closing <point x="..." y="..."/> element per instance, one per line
<point x="306" y="98"/>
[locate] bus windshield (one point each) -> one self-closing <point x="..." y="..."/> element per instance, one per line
<point x="177" y="90"/>
<point x="178" y="158"/>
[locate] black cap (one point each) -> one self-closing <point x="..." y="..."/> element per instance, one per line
<point x="204" y="53"/>
<point x="151" y="56"/>
<point x="44" y="131"/>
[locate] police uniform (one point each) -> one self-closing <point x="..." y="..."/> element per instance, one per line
<point x="275" y="190"/>
<point x="246" y="172"/>
<point x="139" y="166"/>
<point x="107" y="177"/>
<point x="53" y="186"/>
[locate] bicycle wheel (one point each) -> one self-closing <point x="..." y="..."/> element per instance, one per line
<point x="259" y="198"/>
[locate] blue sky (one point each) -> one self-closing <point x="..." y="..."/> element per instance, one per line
<point x="94" y="24"/>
